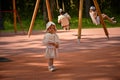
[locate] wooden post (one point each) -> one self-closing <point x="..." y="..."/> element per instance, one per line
<point x="48" y="10"/>
<point x="80" y="19"/>
<point x="14" y="15"/>
<point x="33" y="17"/>
<point x="101" y="18"/>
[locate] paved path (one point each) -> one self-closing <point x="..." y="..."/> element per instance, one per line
<point x="95" y="58"/>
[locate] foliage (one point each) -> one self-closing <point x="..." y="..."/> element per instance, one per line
<point x="40" y="24"/>
<point x="25" y="9"/>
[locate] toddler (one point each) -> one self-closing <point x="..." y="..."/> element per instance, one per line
<point x="51" y="40"/>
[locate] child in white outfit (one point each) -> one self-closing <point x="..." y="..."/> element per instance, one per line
<point x="64" y="20"/>
<point x="96" y="19"/>
<point x="51" y="40"/>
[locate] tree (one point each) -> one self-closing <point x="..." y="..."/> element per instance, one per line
<point x="87" y="6"/>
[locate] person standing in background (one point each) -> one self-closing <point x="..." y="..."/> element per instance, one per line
<point x="64" y="19"/>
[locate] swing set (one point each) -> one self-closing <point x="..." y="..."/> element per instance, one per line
<point x="15" y="16"/>
<point x="79" y="19"/>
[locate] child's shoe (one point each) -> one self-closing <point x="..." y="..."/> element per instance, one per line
<point x="113" y="18"/>
<point x="114" y="22"/>
<point x="51" y="68"/>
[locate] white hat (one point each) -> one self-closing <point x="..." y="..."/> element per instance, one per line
<point x="60" y="10"/>
<point x="49" y="24"/>
<point x="92" y="8"/>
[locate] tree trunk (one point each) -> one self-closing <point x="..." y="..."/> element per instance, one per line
<point x="87" y="7"/>
<point x="57" y="4"/>
<point x="1" y="17"/>
<point x="52" y="7"/>
<point x="45" y="16"/>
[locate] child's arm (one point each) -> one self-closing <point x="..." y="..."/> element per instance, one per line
<point x="54" y="44"/>
<point x="57" y="45"/>
<point x="59" y="19"/>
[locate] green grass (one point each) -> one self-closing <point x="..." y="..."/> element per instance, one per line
<point x="40" y="24"/>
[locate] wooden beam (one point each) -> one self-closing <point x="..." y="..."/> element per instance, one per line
<point x="33" y="17"/>
<point x="14" y="15"/>
<point x="80" y="19"/>
<point x="101" y="18"/>
<point x="48" y="10"/>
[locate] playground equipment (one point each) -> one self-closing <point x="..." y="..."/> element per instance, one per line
<point x="79" y="19"/>
<point x="15" y="15"/>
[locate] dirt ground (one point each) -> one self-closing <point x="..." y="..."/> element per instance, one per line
<point x="94" y="58"/>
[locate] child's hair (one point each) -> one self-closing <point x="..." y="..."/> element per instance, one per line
<point x="92" y="8"/>
<point x="60" y="10"/>
<point x="49" y="24"/>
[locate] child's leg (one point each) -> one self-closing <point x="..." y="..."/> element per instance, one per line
<point x="68" y="27"/>
<point x="107" y="18"/>
<point x="50" y="62"/>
